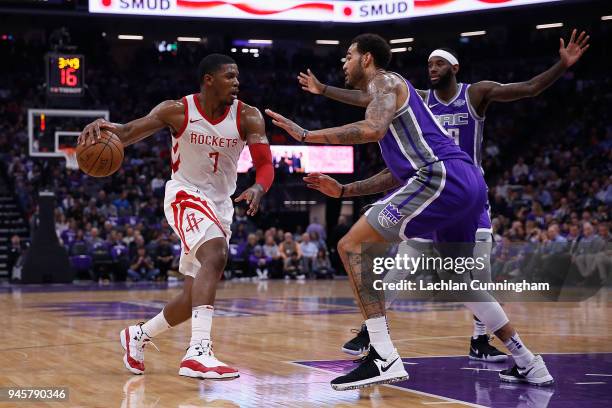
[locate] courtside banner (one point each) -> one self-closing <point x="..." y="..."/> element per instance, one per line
<point x="295" y="10"/>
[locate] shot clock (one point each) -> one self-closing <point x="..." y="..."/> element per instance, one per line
<point x="65" y="74"/>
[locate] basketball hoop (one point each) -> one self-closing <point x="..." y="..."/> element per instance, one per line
<point x="70" y="156"/>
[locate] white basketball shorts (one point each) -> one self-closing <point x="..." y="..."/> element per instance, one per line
<point x="195" y="219"/>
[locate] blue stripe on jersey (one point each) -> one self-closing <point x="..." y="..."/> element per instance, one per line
<point x="411" y="140"/>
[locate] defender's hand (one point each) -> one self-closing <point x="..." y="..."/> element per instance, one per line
<point x="252" y="196"/>
<point x="324" y="184"/>
<point x="310" y="82"/>
<point x="575" y="48"/>
<point x="92" y="132"/>
<point x="294" y="130"/>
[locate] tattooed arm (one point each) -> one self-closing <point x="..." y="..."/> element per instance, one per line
<point x="383" y="181"/>
<point x="310" y="83"/>
<point x="356" y="97"/>
<point x="379" y="114"/>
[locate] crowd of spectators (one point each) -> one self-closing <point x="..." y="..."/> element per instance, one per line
<point x="275" y="253"/>
<point x="547" y="160"/>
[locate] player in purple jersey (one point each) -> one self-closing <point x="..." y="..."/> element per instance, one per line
<point x="460" y="109"/>
<point x="437" y="190"/>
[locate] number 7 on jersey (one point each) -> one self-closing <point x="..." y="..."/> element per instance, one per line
<point x="215" y="157"/>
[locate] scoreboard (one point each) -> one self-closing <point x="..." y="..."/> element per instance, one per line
<point x="65" y="74"/>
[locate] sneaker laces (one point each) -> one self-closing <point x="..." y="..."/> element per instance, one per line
<point x="205" y="348"/>
<point x="142" y="342"/>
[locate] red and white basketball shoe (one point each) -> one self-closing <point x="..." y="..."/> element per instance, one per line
<point x="133" y="341"/>
<point x="200" y="362"/>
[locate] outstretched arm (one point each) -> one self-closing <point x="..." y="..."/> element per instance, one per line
<point x="166" y="114"/>
<point x="310" y="83"/>
<point x="378" y="117"/>
<point x="483" y="93"/>
<point x="356" y="97"/>
<point x="383" y="181"/>
<point x="254" y="130"/>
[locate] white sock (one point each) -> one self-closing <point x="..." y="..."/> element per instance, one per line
<point x="379" y="336"/>
<point x="156" y="325"/>
<point x="201" y="322"/>
<point x="522" y="355"/>
<point x="480" y="328"/>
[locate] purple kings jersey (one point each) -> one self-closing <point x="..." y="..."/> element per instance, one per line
<point x="415" y="139"/>
<point x="460" y="121"/>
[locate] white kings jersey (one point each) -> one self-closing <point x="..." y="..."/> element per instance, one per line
<point x="205" y="152"/>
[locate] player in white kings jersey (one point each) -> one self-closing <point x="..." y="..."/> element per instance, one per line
<point x="209" y="130"/>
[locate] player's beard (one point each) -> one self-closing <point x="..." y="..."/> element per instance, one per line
<point x="443" y="81"/>
<point x="356" y="77"/>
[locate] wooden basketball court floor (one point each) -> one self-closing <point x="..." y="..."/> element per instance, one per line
<point x="285" y="338"/>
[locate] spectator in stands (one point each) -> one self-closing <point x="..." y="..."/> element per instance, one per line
<point x="102" y="260"/>
<point x="291" y="255"/>
<point x="309" y="252"/>
<point x="271" y="250"/>
<point x="588" y="250"/>
<point x="239" y="235"/>
<point x="259" y="263"/>
<point x="68" y="235"/>
<point x="553" y="241"/>
<point x="321" y="266"/>
<point x="142" y="267"/>
<point x="158" y="185"/>
<point x="573" y="234"/>
<point x="94" y="237"/>
<point x="79" y="246"/>
<point x="317" y="228"/>
<point x="321" y="244"/>
<point x="138" y="242"/>
<point x="164" y="257"/>
<point x="120" y="255"/>
<point x="520" y="169"/>
<point x="61" y="223"/>
<point x="16" y="250"/>
<point x="280" y="236"/>
<point x="122" y="204"/>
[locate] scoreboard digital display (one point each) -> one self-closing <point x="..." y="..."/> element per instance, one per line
<point x="65" y="74"/>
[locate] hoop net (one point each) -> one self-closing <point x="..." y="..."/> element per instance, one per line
<point x="70" y="156"/>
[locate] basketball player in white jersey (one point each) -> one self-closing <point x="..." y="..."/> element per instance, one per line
<point x="461" y="110"/>
<point x="209" y="130"/>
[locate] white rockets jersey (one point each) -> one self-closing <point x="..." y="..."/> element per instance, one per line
<point x="205" y="152"/>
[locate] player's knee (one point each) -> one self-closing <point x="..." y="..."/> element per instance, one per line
<point x="342" y="245"/>
<point x="218" y="259"/>
<point x="347" y="245"/>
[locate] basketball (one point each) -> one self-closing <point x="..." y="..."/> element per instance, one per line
<point x="102" y="158"/>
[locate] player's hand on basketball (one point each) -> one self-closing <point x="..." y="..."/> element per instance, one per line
<point x="294" y="130"/>
<point x="93" y="132"/>
<point x="575" y="48"/>
<point x="252" y="196"/>
<point x="324" y="184"/>
<point x="310" y="82"/>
